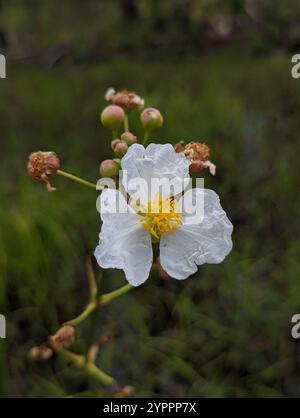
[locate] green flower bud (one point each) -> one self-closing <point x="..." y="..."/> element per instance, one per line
<point x="151" y="119"/>
<point x="109" y="168"/>
<point x="120" y="149"/>
<point x="112" y="117"/>
<point x="129" y="138"/>
<point x="114" y="142"/>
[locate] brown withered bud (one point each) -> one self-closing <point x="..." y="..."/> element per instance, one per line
<point x="106" y="339"/>
<point x="198" y="154"/>
<point x="125" y="392"/>
<point x="42" y="165"/>
<point x="195" y="151"/>
<point x="128" y="100"/>
<point x="64" y="337"/>
<point x="40" y="353"/>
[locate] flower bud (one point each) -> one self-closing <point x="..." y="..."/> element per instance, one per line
<point x="42" y="165"/>
<point x="151" y="119"/>
<point x="129" y="138"/>
<point x="114" y="142"/>
<point x="127" y="100"/>
<point x="40" y="353"/>
<point x="120" y="149"/>
<point x="112" y="117"/>
<point x="64" y="337"/>
<point x="109" y="168"/>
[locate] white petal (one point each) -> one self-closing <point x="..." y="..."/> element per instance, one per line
<point x="110" y="92"/>
<point x="196" y="243"/>
<point x="123" y="244"/>
<point x="159" y="162"/>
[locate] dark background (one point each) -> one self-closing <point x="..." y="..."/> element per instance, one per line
<point x="220" y="72"/>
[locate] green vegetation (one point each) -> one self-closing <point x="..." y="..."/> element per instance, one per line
<point x="223" y="332"/>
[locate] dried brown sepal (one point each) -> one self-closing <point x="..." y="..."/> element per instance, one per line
<point x="198" y="153"/>
<point x="179" y="147"/>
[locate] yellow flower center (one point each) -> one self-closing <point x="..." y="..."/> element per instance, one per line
<point x="161" y="216"/>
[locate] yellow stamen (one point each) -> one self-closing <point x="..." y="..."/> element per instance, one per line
<point x="161" y="216"/>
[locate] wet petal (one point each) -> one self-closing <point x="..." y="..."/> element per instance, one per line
<point x="123" y="243"/>
<point x="160" y="162"/>
<point x="204" y="237"/>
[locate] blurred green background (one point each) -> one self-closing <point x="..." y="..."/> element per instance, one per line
<point x="220" y="73"/>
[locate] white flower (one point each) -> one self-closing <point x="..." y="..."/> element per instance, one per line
<point x="186" y="240"/>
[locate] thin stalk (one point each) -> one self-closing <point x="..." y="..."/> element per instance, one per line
<point x="89" y="367"/>
<point x="100" y="301"/>
<point x="108" y="297"/>
<point x="84" y="314"/>
<point x="114" y="134"/>
<point x="126" y="123"/>
<point x="146" y="138"/>
<point x="91" y="278"/>
<point x="94" y="293"/>
<point x="76" y="179"/>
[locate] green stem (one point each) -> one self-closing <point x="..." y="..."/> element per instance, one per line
<point x="114" y="134"/>
<point x="126" y="123"/>
<point x="84" y="314"/>
<point x="100" y="301"/>
<point x="76" y="179"/>
<point x="91" y="278"/>
<point x="95" y="291"/>
<point x="108" y="297"/>
<point x="146" y="138"/>
<point x="89" y="367"/>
